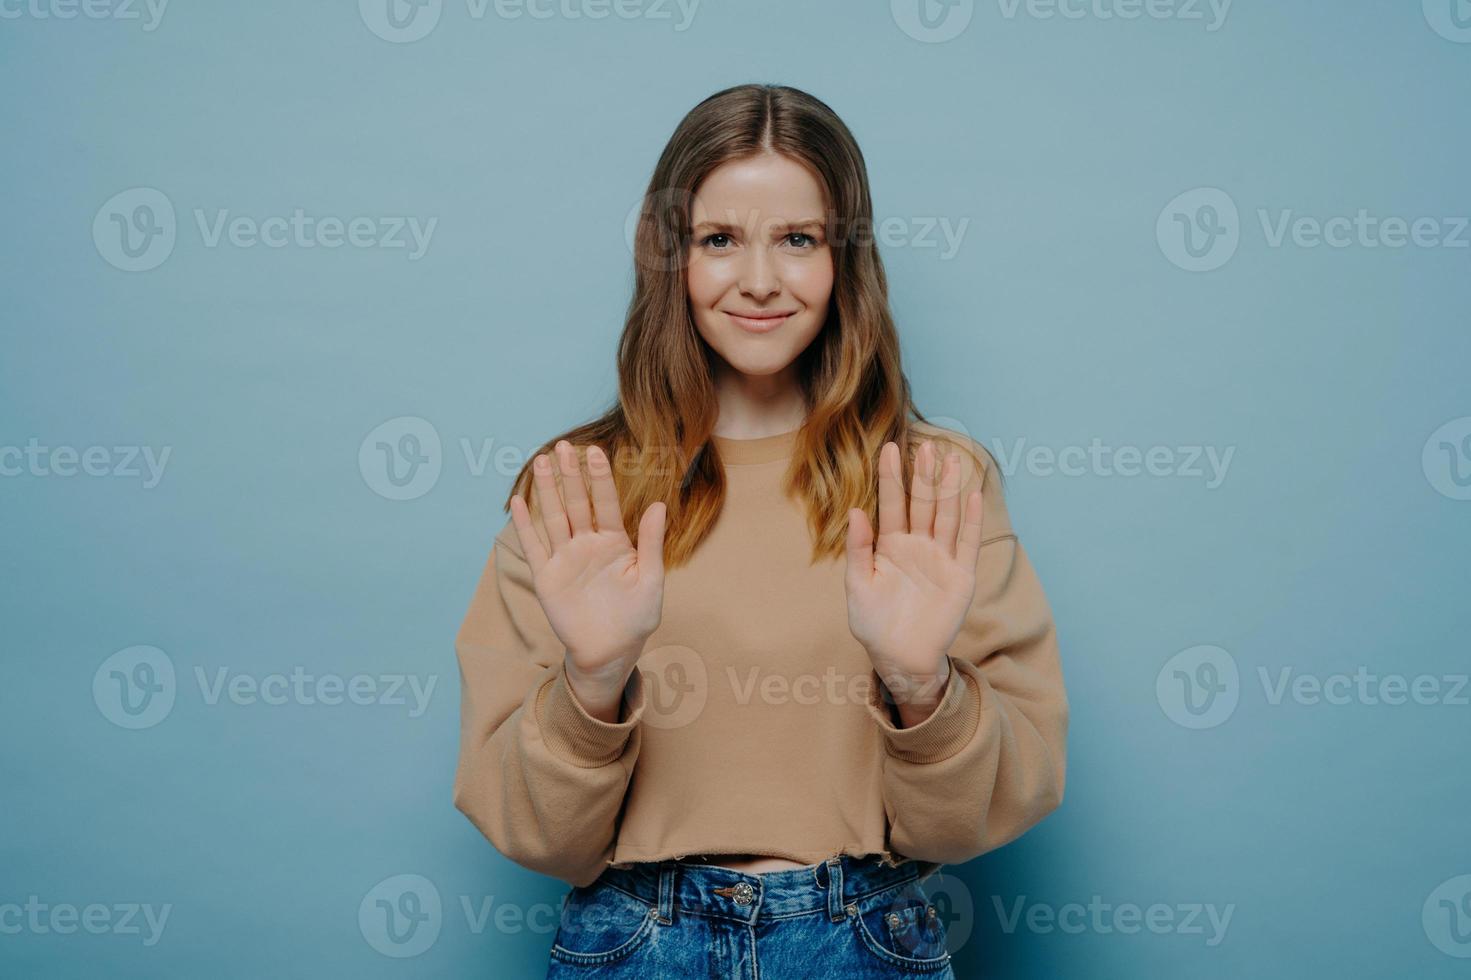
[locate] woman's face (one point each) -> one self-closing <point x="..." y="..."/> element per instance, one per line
<point x="759" y="250"/>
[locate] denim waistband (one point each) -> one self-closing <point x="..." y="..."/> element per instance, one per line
<point x="674" y="885"/>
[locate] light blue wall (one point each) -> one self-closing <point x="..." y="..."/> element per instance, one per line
<point x="1332" y="541"/>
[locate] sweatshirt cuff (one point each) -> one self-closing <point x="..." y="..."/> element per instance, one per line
<point x="947" y="730"/>
<point x="577" y="736"/>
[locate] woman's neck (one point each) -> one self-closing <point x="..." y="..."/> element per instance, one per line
<point x="756" y="406"/>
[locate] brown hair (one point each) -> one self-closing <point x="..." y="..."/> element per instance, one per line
<point x="657" y="434"/>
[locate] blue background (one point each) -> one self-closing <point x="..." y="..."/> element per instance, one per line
<point x="1061" y="319"/>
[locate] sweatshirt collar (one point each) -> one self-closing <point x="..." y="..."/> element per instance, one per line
<point x="767" y="449"/>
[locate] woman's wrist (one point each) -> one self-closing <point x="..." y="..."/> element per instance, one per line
<point x="600" y="692"/>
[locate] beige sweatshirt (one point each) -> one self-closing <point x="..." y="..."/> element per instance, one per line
<point x="755" y="723"/>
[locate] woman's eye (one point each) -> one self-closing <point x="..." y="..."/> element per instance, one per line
<point x="807" y="240"/>
<point x="710" y="239"/>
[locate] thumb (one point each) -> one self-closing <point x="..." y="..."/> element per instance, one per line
<point x="651" y="540"/>
<point x="860" y="545"/>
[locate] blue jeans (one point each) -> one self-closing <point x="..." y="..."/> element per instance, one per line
<point x="846" y="917"/>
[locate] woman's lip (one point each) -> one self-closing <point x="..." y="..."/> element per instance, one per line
<point x="759" y="324"/>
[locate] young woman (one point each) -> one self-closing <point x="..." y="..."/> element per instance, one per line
<point x="764" y="650"/>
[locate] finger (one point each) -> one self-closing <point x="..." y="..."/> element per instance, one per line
<point x="549" y="500"/>
<point x="606" y="511"/>
<point x="922" y="492"/>
<point x="859" y="546"/>
<point x="947" y="507"/>
<point x="651" y="541"/>
<point x="579" y="513"/>
<point x="891" y="492"/>
<point x="969" y="548"/>
<point x="536" y="555"/>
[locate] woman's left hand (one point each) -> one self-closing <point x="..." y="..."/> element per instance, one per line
<point x="907" y="596"/>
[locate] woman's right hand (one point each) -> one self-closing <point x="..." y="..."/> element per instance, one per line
<point x="602" y="597"/>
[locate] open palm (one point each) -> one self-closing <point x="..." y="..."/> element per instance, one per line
<point x="602" y="597"/>
<point x="909" y="592"/>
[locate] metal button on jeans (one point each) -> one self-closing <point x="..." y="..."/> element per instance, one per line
<point x="742" y="892"/>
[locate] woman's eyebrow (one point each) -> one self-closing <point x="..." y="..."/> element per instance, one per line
<point x="796" y="225"/>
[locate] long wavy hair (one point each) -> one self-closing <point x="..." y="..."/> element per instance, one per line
<point x="657" y="434"/>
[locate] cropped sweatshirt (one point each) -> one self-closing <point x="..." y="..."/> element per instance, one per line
<point x="754" y="722"/>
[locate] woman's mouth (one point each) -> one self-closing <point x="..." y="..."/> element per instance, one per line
<point x="760" y="321"/>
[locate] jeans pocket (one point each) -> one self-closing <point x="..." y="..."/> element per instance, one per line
<point x="903" y="928"/>
<point x="601" y="924"/>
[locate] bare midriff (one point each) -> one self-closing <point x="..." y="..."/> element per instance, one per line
<point x="751" y="864"/>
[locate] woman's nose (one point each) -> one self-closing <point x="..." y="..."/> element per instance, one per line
<point x="758" y="274"/>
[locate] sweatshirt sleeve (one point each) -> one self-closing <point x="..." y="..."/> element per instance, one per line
<point x="542" y="779"/>
<point x="989" y="762"/>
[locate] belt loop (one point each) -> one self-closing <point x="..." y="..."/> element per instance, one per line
<point x="666" y="892"/>
<point x="835" y="888"/>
